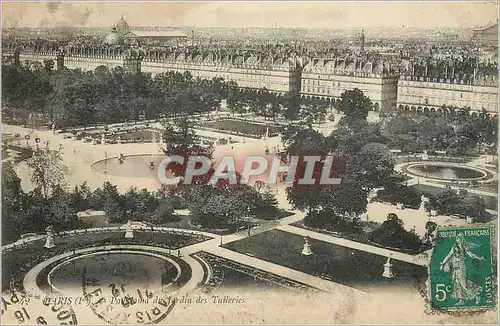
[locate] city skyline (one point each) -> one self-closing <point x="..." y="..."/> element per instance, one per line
<point x="257" y="14"/>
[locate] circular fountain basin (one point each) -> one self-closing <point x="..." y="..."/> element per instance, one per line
<point x="446" y="171"/>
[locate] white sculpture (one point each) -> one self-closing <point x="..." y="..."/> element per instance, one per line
<point x="129" y="231"/>
<point x="131" y="226"/>
<point x="423" y="200"/>
<point x="306" y="251"/>
<point x="388" y="269"/>
<point x="49" y="241"/>
<point x="425" y="156"/>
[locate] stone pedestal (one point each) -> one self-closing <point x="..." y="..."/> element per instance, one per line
<point x="49" y="241"/>
<point x="306" y="251"/>
<point x="423" y="201"/>
<point x="129" y="234"/>
<point x="388" y="269"/>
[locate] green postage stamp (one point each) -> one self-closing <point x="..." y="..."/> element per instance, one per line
<point x="462" y="269"/>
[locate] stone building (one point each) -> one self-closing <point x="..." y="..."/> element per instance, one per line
<point x="122" y="34"/>
<point x="486" y="34"/>
<point x="426" y="92"/>
<point x="328" y="79"/>
<point x="278" y="75"/>
<point x="145" y="38"/>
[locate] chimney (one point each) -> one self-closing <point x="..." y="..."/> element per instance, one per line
<point x="362" y="41"/>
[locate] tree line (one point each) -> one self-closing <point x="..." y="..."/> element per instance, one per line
<point x="76" y="98"/>
<point x="362" y="158"/>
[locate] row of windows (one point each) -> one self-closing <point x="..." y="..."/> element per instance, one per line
<point x="317" y="90"/>
<point x="451" y="94"/>
<point x="332" y="74"/>
<point x="441" y="101"/>
<point x="439" y="85"/>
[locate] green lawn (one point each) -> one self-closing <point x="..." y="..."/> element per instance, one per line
<point x="241" y="126"/>
<point x="343" y="265"/>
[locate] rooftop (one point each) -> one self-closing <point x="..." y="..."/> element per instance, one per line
<point x="156" y="34"/>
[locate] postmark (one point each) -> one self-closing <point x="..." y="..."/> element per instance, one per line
<point x="114" y="297"/>
<point x="461" y="271"/>
<point x="22" y="308"/>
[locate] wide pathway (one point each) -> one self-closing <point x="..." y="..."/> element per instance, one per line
<point x="421" y="260"/>
<point x="213" y="247"/>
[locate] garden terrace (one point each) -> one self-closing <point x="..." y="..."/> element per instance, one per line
<point x="359" y="234"/>
<point x="228" y="273"/>
<point x="240" y="128"/>
<point x="342" y="265"/>
<point x="19" y="259"/>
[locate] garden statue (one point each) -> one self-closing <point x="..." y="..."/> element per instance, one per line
<point x="423" y="201"/>
<point x="431" y="232"/>
<point x="306" y="251"/>
<point x="425" y="156"/>
<point x="129" y="232"/>
<point x="49" y="241"/>
<point x="388" y="269"/>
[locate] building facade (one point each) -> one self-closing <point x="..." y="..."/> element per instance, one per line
<point x="430" y="94"/>
<point x="417" y="88"/>
<point x="328" y="79"/>
<point x="164" y="38"/>
<point x="277" y="75"/>
<point x="487" y="34"/>
<point x="449" y="86"/>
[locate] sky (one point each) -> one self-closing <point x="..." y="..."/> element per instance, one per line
<point x="251" y="14"/>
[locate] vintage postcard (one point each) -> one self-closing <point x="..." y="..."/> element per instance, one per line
<point x="249" y="162"/>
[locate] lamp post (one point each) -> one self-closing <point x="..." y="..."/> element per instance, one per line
<point x="37" y="141"/>
<point x="249" y="224"/>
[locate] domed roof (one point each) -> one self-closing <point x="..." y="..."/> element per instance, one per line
<point x="122" y="26"/>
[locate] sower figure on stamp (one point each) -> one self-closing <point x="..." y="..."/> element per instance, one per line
<point x="455" y="263"/>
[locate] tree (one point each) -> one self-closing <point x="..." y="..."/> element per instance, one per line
<point x="291" y="107"/>
<point x="113" y="206"/>
<point x="346" y="201"/>
<point x="393" y="234"/>
<point x="47" y="170"/>
<point x="235" y="103"/>
<point x="376" y="163"/>
<point x="355" y="105"/>
<point x="181" y="139"/>
<point x="12" y="204"/>
<point x="475" y="207"/>
<point x="81" y="197"/>
<point x="61" y="215"/>
<point x="114" y="211"/>
<point x="450" y="203"/>
<point x="349" y="138"/>
<point x="298" y="140"/>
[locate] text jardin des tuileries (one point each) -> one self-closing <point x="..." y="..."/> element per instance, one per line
<point x="127" y="301"/>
